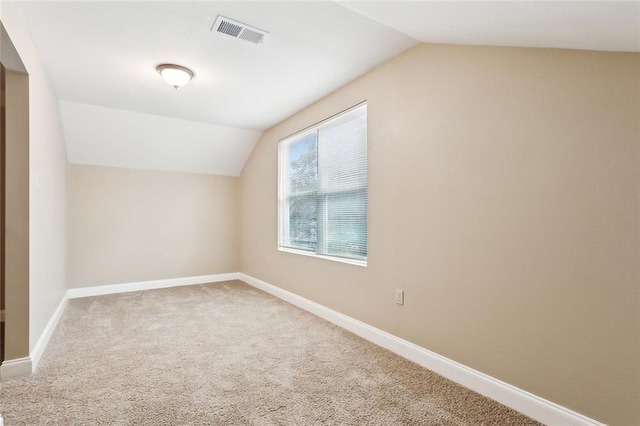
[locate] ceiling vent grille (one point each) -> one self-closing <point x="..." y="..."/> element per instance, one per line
<point x="239" y="30"/>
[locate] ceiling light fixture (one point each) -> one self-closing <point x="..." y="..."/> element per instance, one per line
<point x="175" y="75"/>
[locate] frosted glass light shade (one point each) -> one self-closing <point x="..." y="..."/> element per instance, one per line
<point x="175" y="75"/>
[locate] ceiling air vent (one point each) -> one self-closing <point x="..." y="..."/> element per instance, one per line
<point x="239" y="30"/>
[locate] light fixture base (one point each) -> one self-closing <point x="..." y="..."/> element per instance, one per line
<point x="176" y="75"/>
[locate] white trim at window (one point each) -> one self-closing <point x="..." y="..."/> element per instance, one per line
<point x="322" y="189"/>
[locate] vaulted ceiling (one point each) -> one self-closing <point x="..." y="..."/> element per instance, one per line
<point x="117" y="111"/>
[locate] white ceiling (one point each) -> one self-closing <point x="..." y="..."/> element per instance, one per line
<point x="107" y="136"/>
<point x="117" y="111"/>
<point x="590" y="25"/>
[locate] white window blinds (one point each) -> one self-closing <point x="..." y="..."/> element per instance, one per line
<point x="323" y="187"/>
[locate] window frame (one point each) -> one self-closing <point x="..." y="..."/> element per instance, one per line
<point x="282" y="200"/>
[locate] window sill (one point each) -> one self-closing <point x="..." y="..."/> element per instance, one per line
<point x="362" y="263"/>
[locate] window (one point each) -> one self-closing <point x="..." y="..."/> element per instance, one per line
<point x="323" y="189"/>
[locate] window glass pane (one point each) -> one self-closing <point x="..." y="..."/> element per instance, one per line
<point x="342" y="152"/>
<point x="301" y="184"/>
<point x="346" y="224"/>
<point x="303" y="164"/>
<point x="342" y="185"/>
<point x="303" y="230"/>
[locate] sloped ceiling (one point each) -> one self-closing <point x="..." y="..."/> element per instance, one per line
<point x="117" y="111"/>
<point x="587" y="25"/>
<point x="113" y="137"/>
<point x="101" y="57"/>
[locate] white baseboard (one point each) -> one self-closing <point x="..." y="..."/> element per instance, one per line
<point x="74" y="293"/>
<point x="15" y="367"/>
<point x="520" y="400"/>
<point x="25" y="366"/>
<point x="42" y="342"/>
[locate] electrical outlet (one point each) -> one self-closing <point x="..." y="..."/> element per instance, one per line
<point x="399" y="296"/>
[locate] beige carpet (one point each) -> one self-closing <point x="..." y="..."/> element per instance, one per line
<point x="227" y="354"/>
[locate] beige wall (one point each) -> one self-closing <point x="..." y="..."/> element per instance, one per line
<point x="16" y="249"/>
<point x="503" y="191"/>
<point x="47" y="183"/>
<point x="132" y="225"/>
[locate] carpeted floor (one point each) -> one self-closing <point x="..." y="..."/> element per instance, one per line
<point x="227" y="354"/>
